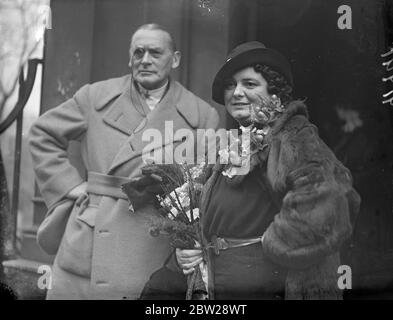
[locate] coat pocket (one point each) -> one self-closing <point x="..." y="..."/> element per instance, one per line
<point x="75" y="252"/>
<point x="51" y="230"/>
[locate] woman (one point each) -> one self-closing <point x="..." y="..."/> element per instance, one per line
<point x="276" y="231"/>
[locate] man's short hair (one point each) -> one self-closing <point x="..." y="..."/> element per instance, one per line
<point x="156" y="26"/>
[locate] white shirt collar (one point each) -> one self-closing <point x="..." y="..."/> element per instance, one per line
<point x="152" y="97"/>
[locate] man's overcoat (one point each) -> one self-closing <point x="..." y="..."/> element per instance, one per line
<point x="106" y="249"/>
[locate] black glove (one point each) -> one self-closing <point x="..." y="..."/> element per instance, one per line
<point x="142" y="191"/>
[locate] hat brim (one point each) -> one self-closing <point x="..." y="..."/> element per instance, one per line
<point x="264" y="56"/>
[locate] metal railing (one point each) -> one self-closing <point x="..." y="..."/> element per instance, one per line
<point x="25" y="88"/>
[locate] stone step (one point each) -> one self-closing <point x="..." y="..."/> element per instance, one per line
<point x="22" y="276"/>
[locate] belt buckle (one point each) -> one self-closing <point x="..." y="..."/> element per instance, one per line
<point x="219" y="244"/>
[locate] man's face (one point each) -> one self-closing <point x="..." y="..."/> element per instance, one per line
<point x="152" y="58"/>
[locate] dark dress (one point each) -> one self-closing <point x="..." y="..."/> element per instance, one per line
<point x="243" y="211"/>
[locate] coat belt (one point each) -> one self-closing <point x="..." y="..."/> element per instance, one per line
<point x="106" y="185"/>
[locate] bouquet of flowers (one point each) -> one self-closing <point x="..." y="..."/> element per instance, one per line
<point x="178" y="206"/>
<point x="243" y="155"/>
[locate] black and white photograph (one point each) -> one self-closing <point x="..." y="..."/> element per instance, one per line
<point x="189" y="150"/>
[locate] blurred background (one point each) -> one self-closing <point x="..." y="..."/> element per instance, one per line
<point x="338" y="72"/>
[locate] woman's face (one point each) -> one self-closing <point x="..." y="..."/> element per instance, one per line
<point x="244" y="88"/>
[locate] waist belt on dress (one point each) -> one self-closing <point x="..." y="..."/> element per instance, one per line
<point x="218" y="243"/>
<point x="106" y="185"/>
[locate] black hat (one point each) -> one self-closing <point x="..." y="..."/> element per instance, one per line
<point x="248" y="54"/>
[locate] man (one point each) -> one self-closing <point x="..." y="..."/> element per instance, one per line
<point x="106" y="251"/>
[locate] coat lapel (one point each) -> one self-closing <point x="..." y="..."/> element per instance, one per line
<point x="126" y="113"/>
<point x="178" y="108"/>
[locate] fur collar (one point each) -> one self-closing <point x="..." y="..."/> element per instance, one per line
<point x="294" y="108"/>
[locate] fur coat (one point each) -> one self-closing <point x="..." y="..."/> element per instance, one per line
<point x="318" y="206"/>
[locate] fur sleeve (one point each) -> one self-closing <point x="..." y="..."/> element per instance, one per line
<point x="318" y="203"/>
